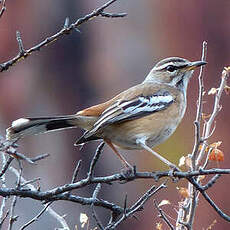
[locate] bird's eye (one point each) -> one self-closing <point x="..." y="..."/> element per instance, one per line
<point x="171" y="68"/>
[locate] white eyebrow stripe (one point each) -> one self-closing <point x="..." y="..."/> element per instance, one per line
<point x="164" y="65"/>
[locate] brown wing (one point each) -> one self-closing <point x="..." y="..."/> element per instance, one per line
<point x="129" y="94"/>
<point x="134" y="103"/>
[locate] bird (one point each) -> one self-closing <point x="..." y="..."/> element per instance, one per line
<point x="138" y="118"/>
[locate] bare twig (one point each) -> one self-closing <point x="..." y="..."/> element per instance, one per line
<point x="95" y="159"/>
<point x="23" y="53"/>
<point x="4" y="218"/>
<point x="4" y="199"/>
<point x="204" y="194"/>
<point x="199" y="108"/>
<point x="13" y="218"/>
<point x="163" y="216"/>
<point x="76" y="171"/>
<point x="216" y="109"/>
<point x="109" y="15"/>
<point x="95" y="193"/>
<point x="30" y="181"/>
<point x="6" y="165"/>
<point x="137" y="206"/>
<point x="10" y="148"/>
<point x="36" y="218"/>
<point x="40" y="157"/>
<point x="32" y="189"/>
<point x="188" y="207"/>
<point x="188" y="214"/>
<point x="20" y="44"/>
<point x="60" y="219"/>
<point x="3" y="9"/>
<point x="211" y="182"/>
<point x="38" y="195"/>
<point x="62" y="192"/>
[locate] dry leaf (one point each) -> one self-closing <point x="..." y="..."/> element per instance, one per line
<point x="205" y="116"/>
<point x="201" y="177"/>
<point x="212" y="91"/>
<point x="159" y="226"/>
<point x="83" y="219"/>
<point x="188" y="161"/>
<point x="211" y="225"/>
<point x="227" y="90"/>
<point x="215" y="144"/>
<point x="181" y="161"/>
<point x="185" y="161"/>
<point x="164" y="202"/>
<point x="183" y="192"/>
<point x="227" y="68"/>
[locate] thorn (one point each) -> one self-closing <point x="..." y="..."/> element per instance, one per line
<point x="20" y="44"/>
<point x="66" y="24"/>
<point x="77" y="30"/>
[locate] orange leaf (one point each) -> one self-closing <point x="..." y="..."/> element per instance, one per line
<point x="216" y="155"/>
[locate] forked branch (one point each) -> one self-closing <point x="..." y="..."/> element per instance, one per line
<point x="67" y="29"/>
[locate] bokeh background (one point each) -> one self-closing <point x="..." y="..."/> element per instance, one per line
<point x="82" y="69"/>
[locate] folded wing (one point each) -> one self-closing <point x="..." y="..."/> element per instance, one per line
<point x="123" y="110"/>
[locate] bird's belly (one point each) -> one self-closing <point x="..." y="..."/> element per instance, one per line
<point x="125" y="135"/>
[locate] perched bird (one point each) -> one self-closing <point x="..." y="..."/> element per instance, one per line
<point x="140" y="117"/>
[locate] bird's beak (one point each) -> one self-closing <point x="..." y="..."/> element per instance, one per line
<point x="194" y="65"/>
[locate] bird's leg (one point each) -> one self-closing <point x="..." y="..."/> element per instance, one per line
<point x="121" y="158"/>
<point x="142" y="143"/>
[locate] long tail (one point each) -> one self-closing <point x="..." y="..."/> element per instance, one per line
<point x="31" y="126"/>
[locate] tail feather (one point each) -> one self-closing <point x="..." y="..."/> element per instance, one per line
<point x="30" y="126"/>
<point x="82" y="140"/>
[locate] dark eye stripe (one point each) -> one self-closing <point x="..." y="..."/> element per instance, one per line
<point x="171" y="68"/>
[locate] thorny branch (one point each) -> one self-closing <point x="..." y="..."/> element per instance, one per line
<point x="67" y="29"/>
<point x="187" y="210"/>
<point x="191" y="202"/>
<point x="62" y="192"/>
<point x="216" y="110"/>
<point x="25" y="189"/>
<point x="199" y="107"/>
<point x="163" y="216"/>
<point x="31" y="187"/>
<point x="36" y="218"/>
<point x="137" y="206"/>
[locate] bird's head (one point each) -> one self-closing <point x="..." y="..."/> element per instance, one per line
<point x="173" y="71"/>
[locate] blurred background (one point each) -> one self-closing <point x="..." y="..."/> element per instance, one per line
<point x="82" y="69"/>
